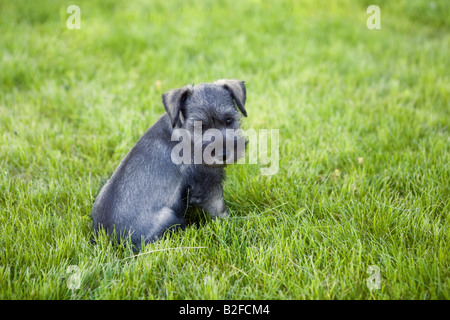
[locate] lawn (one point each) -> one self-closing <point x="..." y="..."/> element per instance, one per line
<point x="364" y="156"/>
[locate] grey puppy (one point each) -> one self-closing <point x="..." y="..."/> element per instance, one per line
<point x="149" y="192"/>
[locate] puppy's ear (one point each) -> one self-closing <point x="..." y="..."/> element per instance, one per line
<point x="173" y="102"/>
<point x="237" y="91"/>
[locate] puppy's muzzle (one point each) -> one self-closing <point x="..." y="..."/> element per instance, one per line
<point x="229" y="151"/>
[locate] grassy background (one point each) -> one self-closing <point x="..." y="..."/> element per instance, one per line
<point x="73" y="102"/>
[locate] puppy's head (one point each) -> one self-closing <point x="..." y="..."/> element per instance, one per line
<point x="209" y="113"/>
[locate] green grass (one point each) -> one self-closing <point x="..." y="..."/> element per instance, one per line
<point x="73" y="102"/>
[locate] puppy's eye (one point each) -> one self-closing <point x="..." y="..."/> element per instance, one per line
<point x="229" y="121"/>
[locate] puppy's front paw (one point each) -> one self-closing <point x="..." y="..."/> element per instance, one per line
<point x="223" y="214"/>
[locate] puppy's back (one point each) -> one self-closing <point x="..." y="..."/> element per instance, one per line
<point x="139" y="186"/>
